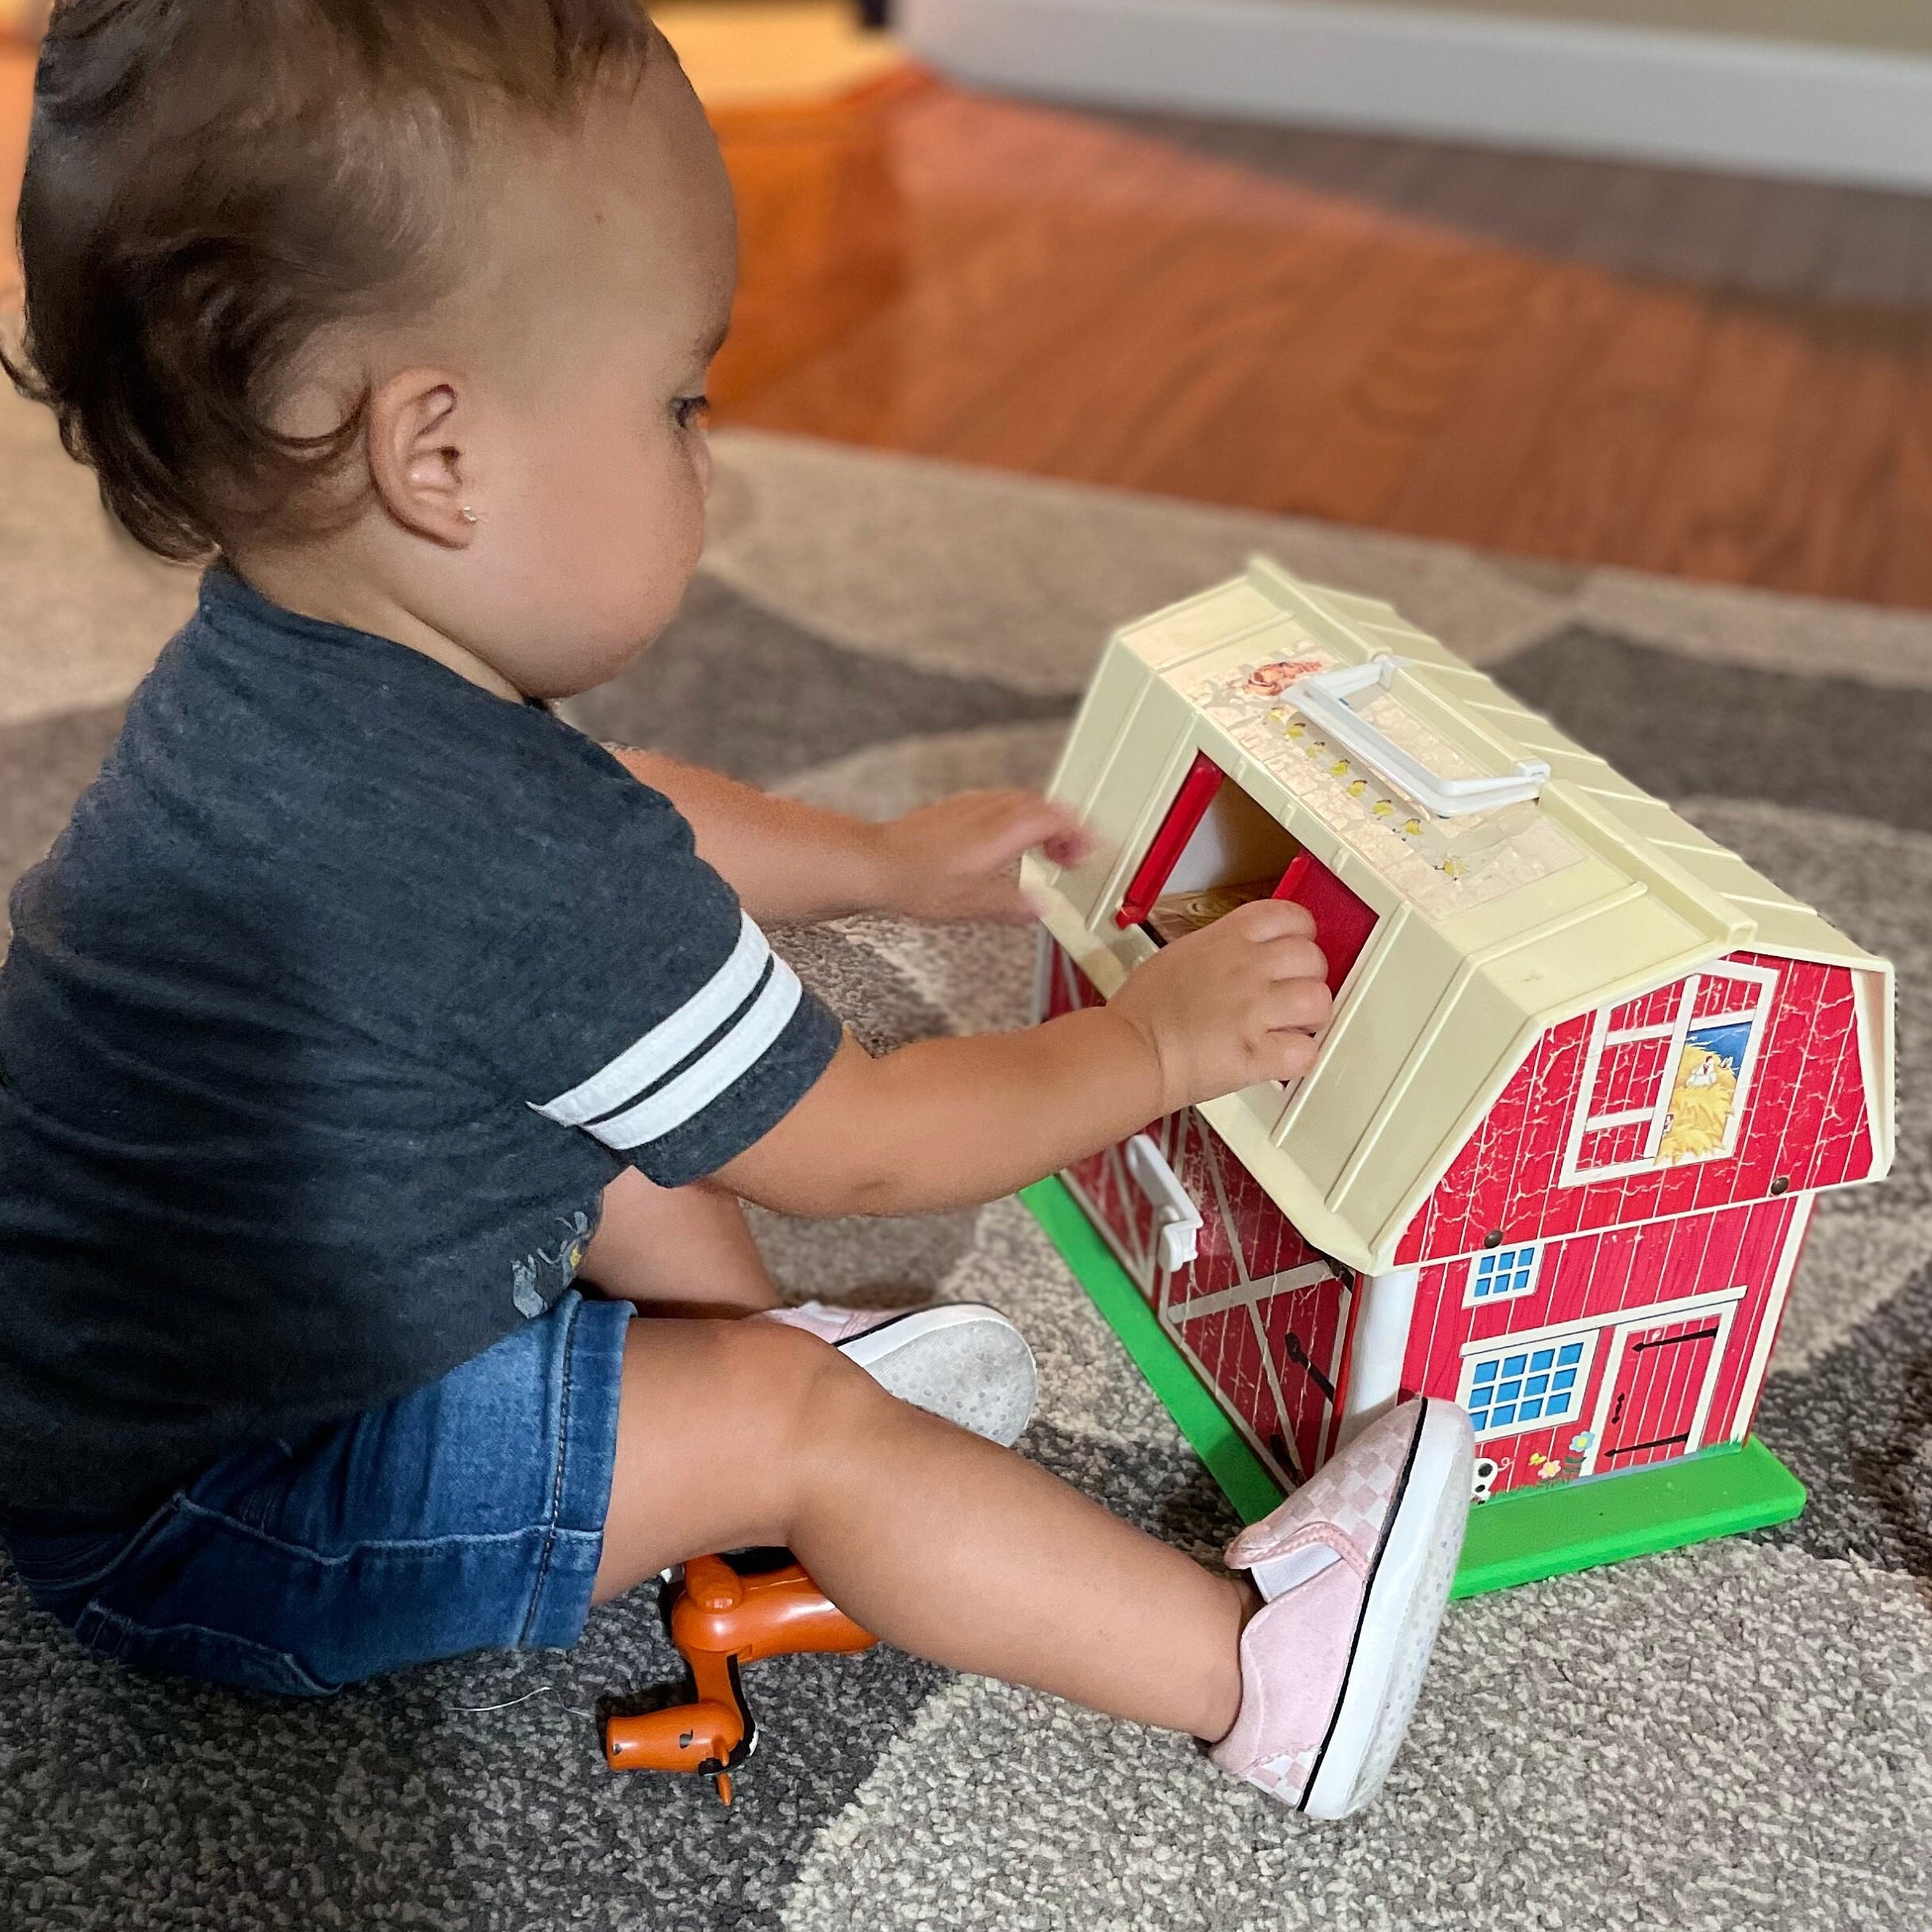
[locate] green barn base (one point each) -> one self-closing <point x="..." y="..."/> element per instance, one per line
<point x="1517" y="1539"/>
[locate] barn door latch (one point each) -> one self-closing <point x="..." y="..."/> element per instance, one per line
<point x="1177" y="1220"/>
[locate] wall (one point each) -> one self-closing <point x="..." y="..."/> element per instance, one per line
<point x="1821" y="89"/>
<point x="1599" y="1283"/>
<point x="1900" y="26"/>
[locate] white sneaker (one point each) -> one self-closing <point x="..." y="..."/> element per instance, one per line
<point x="961" y="1359"/>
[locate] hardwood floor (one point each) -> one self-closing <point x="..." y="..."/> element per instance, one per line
<point x="1588" y="362"/>
<point x="1581" y="361"/>
<point x="16" y="103"/>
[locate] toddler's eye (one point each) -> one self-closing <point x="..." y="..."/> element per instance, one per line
<point x="691" y="412"/>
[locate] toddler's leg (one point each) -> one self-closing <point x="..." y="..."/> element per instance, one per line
<point x="677" y="1251"/>
<point x="688" y="1251"/>
<point x="738" y="1433"/>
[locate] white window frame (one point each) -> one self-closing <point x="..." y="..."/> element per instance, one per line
<point x="1499" y="1348"/>
<point x="1473" y="1300"/>
<point x="1755" y="1008"/>
<point x="1758" y="1014"/>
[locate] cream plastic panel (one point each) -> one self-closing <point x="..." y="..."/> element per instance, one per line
<point x="1619" y="947"/>
<point x="1212" y="618"/>
<point x="1150" y="758"/>
<point x="1397" y="984"/>
<point x="1877" y="1045"/>
<point x="1472" y="1042"/>
<point x="1726" y="873"/>
<point x="1800" y="933"/>
<point x="1436" y="1017"/>
<point x="1524" y="726"/>
<point x="1518" y="917"/>
<point x="1090" y="746"/>
<point x="1588" y="819"/>
<point x="1650" y="819"/>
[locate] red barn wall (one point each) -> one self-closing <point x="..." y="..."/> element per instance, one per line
<point x="1264" y="1319"/>
<point x="1613" y="1273"/>
<point x="1803" y="1122"/>
<point x="1612" y="1249"/>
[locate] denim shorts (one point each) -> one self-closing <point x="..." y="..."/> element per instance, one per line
<point x="465" y="1515"/>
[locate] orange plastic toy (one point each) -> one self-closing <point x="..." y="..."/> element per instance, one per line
<point x="723" y="1618"/>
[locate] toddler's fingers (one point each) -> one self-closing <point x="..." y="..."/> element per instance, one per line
<point x="1023" y="821"/>
<point x="1056" y="829"/>
<point x="1296" y="1003"/>
<point x="1069" y="847"/>
<point x="1294" y="958"/>
<point x="1290" y="1055"/>
<point x="1264" y="919"/>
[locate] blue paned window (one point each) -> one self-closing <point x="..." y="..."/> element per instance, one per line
<point x="1526" y="1386"/>
<point x="1500" y="1273"/>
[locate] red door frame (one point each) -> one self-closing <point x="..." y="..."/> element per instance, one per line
<point x="1344" y="922"/>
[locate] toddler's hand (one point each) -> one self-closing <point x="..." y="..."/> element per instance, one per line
<point x="1231" y="1004"/>
<point x="956" y="860"/>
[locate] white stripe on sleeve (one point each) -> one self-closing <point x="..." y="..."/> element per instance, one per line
<point x="649" y="1058"/>
<point x="693" y="1090"/>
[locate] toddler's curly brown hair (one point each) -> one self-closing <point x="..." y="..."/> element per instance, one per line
<point x="210" y="183"/>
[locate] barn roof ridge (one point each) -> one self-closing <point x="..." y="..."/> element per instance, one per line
<point x="1596" y="894"/>
<point x="1678" y="852"/>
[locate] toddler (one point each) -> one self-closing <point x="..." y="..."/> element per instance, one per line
<point x="374" y="1047"/>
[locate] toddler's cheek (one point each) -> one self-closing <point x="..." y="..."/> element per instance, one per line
<point x="623" y="547"/>
<point x="590" y="561"/>
<point x="631" y="573"/>
<point x="650" y="556"/>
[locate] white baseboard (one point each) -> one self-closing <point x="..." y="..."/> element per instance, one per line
<point x="1706" y="99"/>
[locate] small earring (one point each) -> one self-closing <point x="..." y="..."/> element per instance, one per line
<point x="469" y="515"/>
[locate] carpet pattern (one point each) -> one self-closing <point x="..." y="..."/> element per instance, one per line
<point x="1738" y="1736"/>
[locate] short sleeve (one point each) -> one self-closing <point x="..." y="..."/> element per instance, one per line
<point x="647" y="1010"/>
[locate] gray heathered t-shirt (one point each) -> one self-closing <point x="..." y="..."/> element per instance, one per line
<point x="345" y="993"/>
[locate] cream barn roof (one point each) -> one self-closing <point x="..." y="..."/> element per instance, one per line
<point x="1493" y="926"/>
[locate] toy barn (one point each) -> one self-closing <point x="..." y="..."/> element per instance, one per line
<point x="1587" y="1072"/>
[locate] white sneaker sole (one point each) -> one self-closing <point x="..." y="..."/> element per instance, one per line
<point x="1408" y="1590"/>
<point x="963" y="1360"/>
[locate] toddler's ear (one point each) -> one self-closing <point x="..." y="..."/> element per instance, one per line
<point x="415" y="439"/>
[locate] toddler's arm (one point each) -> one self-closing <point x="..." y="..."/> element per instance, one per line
<point x="947" y="1123"/>
<point x="787" y="861"/>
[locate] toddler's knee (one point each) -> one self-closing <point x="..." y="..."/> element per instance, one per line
<point x="804" y="1389"/>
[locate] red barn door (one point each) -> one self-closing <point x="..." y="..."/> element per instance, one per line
<point x="1264" y="1319"/>
<point x="1661" y="1393"/>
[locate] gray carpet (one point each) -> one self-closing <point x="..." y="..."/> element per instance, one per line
<point x="1735" y="1737"/>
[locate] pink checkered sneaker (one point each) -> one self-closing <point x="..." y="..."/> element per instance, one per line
<point x="1347" y="1500"/>
<point x="1355" y="1566"/>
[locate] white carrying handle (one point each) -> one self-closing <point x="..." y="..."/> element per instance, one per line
<point x="1176" y="1217"/>
<point x="1322" y="696"/>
